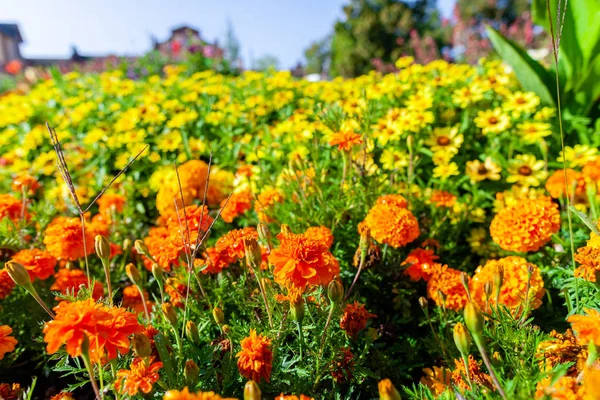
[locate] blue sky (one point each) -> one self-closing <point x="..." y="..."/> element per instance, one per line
<point x="283" y="28"/>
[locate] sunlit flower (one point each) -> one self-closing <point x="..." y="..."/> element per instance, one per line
<point x="392" y="224"/>
<point x="26" y="183"/>
<point x="521" y="102"/>
<point x="237" y="205"/>
<point x="589" y="259"/>
<point x="526" y="170"/>
<point x="255" y="359"/>
<point x="186" y="395"/>
<point x="516" y="286"/>
<point x="555" y="185"/>
<point x="7" y="342"/>
<point x="300" y="261"/>
<point x="579" y="155"/>
<point x="492" y="121"/>
<point x="393" y="159"/>
<point x="561" y="349"/>
<point x="39" y="264"/>
<point x="420" y="264"/>
<point x="533" y="132"/>
<point x="107" y="329"/>
<point x="6" y="284"/>
<point x="591" y="170"/>
<point x="12" y="208"/>
<point x="526" y="226"/>
<point x="321" y="233"/>
<point x="231" y="245"/>
<point x="139" y="377"/>
<point x="355" y="318"/>
<point x="437" y="379"/>
<point x="111" y="202"/>
<point x="70" y="281"/>
<point x="63" y="239"/>
<point x="133" y="300"/>
<point x="587" y="327"/>
<point x="446" y="289"/>
<point x="292" y="397"/>
<point x="446" y="139"/>
<point x="445" y="171"/>
<point x="441" y="198"/>
<point x="265" y="202"/>
<point x="479" y="171"/>
<point x="476" y="375"/>
<point x="345" y="139"/>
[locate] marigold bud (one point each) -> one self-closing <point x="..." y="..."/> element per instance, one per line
<point x="474" y="320"/>
<point x="102" y="247"/>
<point x="335" y="291"/>
<point x="462" y="339"/>
<point x="141" y="345"/>
<point x="496" y="359"/>
<point x="464" y="279"/>
<point x="297" y="310"/>
<point x="127" y="245"/>
<point x="387" y="391"/>
<point x="191" y="372"/>
<point x="285" y="229"/>
<point x="487" y="289"/>
<point x="264" y="234"/>
<point x="226" y="329"/>
<point x="192" y="333"/>
<point x="252" y="391"/>
<point x="218" y="316"/>
<point x="18" y="273"/>
<point x="141" y="248"/>
<point x="133" y="274"/>
<point x="170" y="313"/>
<point x="423" y="303"/>
<point x="498" y="278"/>
<point x="253" y="253"/>
<point x="365" y="240"/>
<point x="158" y="272"/>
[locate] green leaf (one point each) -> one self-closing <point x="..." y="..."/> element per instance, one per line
<point x="590" y="86"/>
<point x="532" y="75"/>
<point x="584" y="218"/>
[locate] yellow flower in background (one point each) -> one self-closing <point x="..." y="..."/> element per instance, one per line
<point x="544" y="114"/>
<point x="479" y="171"/>
<point x="521" y="102"/>
<point x="445" y="171"/>
<point x="533" y="132"/>
<point x="445" y="139"/>
<point x="392" y="159"/>
<point x="404" y="62"/>
<point x="468" y="95"/>
<point x="526" y="170"/>
<point x="492" y="121"/>
<point x="578" y="156"/>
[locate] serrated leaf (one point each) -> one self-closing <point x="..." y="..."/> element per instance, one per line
<point x="585" y="219"/>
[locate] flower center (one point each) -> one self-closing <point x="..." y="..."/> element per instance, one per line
<point x="493" y="120"/>
<point x="482" y="170"/>
<point x="525" y="170"/>
<point x="443" y="140"/>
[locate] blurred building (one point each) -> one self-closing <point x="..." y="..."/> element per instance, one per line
<point x="10" y="39"/>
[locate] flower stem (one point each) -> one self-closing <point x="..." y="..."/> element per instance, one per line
<point x="324" y="336"/>
<point x="488" y="365"/>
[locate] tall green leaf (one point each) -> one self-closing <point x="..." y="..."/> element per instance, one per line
<point x="532" y="75"/>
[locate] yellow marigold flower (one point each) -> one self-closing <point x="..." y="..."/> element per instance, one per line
<point x="492" y="121"/>
<point x="561" y="349"/>
<point x="579" y="155"/>
<point x="391" y="224"/>
<point x="445" y="171"/>
<point x="526" y="226"/>
<point x="555" y="185"/>
<point x="437" y="379"/>
<point x="526" y="170"/>
<point x="446" y="288"/>
<point x="514" y="287"/>
<point x="586" y="326"/>
<point x="479" y="171"/>
<point x="533" y="132"/>
<point x="515" y="195"/>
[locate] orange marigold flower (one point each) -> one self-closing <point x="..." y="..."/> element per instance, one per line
<point x="514" y="286"/>
<point x="62" y="396"/>
<point x="107" y="329"/>
<point x="139" y="377"/>
<point x="231" y="245"/>
<point x="355" y="318"/>
<point x="342" y="365"/>
<point x="39" y="264"/>
<point x="169" y="194"/>
<point x="302" y="261"/>
<point x="184" y="225"/>
<point x="186" y="395"/>
<point x="475" y="373"/>
<point x="589" y="259"/>
<point x="437" y="379"/>
<point x="394" y="200"/>
<point x="177" y="292"/>
<point x="237" y="205"/>
<point x="321" y="233"/>
<point x="132" y="299"/>
<point x="441" y="198"/>
<point x="25" y="183"/>
<point x="162" y="248"/>
<point x="111" y="202"/>
<point x="255" y="359"/>
<point x="265" y="202"/>
<point x="7" y="342"/>
<point x="447" y="281"/>
<point x="526" y="226"/>
<point x="391" y="224"/>
<point x="64" y="241"/>
<point x="213" y="261"/>
<point x="345" y="139"/>
<point x="561" y="349"/>
<point x="591" y="170"/>
<point x="566" y="388"/>
<point x="293" y="397"/>
<point x="420" y="264"/>
<point x="6" y="284"/>
<point x="99" y="225"/>
<point x="555" y="185"/>
<point x="586" y="326"/>
<point x="71" y="280"/>
<point x="11" y="208"/>
<point x="10" y="391"/>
